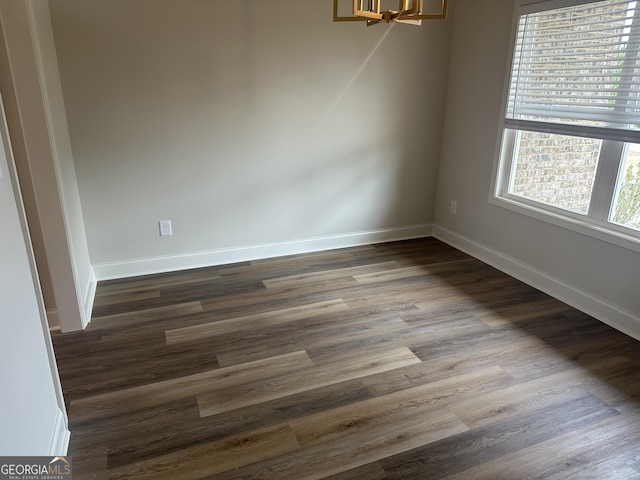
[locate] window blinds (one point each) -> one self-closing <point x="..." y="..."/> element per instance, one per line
<point x="576" y="70"/>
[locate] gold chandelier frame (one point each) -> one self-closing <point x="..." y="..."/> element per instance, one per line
<point x="409" y="11"/>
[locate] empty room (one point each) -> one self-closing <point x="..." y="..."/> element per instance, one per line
<point x="321" y="239"/>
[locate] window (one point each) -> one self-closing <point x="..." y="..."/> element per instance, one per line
<point x="571" y="141"/>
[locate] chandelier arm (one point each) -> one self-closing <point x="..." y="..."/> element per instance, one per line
<point x="338" y="18"/>
<point x="372" y="12"/>
<point x="410" y="11"/>
<point x="427" y="16"/>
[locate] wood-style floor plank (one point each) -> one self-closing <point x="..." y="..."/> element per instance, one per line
<point x="339" y="453"/>
<point x="479" y="445"/>
<point x="529" y="396"/>
<point x="315" y="277"/>
<point x="410" y="404"/>
<point x="310" y="337"/>
<point x="370" y="471"/>
<point x="274" y="317"/>
<point x="147" y="438"/>
<point x="406" y="360"/>
<point x="310" y="377"/>
<point x="563" y="456"/>
<point x="208" y="459"/>
<point x="136" y="398"/>
<point x="148" y="315"/>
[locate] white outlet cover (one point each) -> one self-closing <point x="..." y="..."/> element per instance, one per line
<point x="165" y="228"/>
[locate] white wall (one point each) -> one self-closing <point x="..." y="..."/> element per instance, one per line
<point x="598" y="277"/>
<point x="31" y="412"/>
<point x="66" y="180"/>
<point x="246" y="123"/>
<point x="35" y="110"/>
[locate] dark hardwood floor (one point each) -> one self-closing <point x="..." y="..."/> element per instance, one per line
<point x="407" y="360"/>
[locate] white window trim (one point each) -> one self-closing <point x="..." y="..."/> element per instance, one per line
<point x="585" y="225"/>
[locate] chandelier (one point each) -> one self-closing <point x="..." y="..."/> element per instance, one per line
<point x="408" y="11"/>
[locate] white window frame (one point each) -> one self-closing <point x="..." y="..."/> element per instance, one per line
<point x="595" y="223"/>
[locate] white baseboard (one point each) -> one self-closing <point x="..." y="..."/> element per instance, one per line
<point x="613" y="316"/>
<point x="53" y="319"/>
<point x="146" y="266"/>
<point x="88" y="298"/>
<point x="61" y="436"/>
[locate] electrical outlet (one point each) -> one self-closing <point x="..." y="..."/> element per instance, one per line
<point x="165" y="228"/>
<point x="454" y="207"/>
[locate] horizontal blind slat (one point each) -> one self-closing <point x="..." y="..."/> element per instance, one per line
<point x="586" y="131"/>
<point x="578" y="65"/>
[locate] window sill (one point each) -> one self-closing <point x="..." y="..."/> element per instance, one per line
<point x="602" y="232"/>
